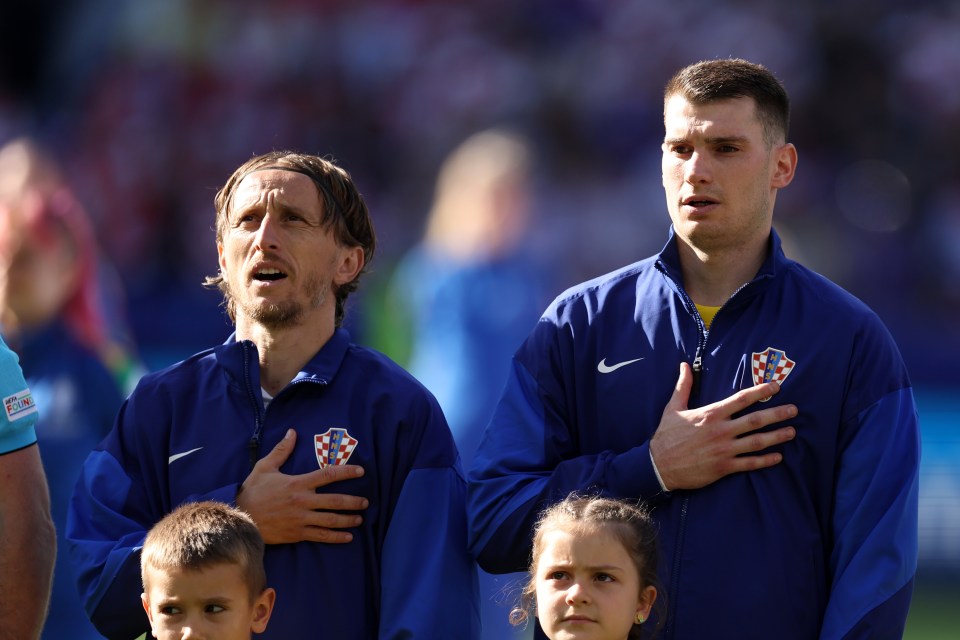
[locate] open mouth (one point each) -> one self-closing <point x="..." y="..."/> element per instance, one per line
<point x="269" y="275"/>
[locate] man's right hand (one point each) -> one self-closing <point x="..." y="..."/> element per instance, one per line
<point x="696" y="447"/>
<point x="287" y="508"/>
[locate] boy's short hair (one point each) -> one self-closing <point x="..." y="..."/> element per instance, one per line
<point x="198" y="535"/>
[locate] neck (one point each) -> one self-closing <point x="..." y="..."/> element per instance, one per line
<point x="710" y="278"/>
<point x="283" y="352"/>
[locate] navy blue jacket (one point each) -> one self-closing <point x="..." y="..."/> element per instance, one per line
<point x="183" y="436"/>
<point x="823" y="544"/>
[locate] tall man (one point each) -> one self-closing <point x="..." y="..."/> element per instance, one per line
<point x="360" y="497"/>
<point x="792" y="518"/>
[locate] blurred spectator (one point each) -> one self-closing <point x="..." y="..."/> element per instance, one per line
<point x="53" y="315"/>
<point x="471" y="291"/>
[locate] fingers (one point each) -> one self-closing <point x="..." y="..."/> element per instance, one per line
<point x="759" y="441"/>
<point x="324" y="526"/>
<point x="339" y="502"/>
<point x="333" y="473"/>
<point x="747" y="397"/>
<point x="752" y="463"/>
<point x="279" y="454"/>
<point x="756" y="420"/>
<point x="681" y="392"/>
<point x="328" y="536"/>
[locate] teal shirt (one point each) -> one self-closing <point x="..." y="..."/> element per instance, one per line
<point x="18" y="424"/>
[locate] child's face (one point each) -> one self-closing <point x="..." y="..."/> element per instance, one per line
<point x="588" y="587"/>
<point x="213" y="602"/>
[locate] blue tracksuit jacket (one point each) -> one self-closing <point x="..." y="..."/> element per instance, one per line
<point x="822" y="545"/>
<point x="183" y="436"/>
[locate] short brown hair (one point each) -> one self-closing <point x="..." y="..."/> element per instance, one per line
<point x="198" y="535"/>
<point x="344" y="210"/>
<point x="712" y="80"/>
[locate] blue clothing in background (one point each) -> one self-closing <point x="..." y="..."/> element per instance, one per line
<point x="78" y="399"/>
<point x="467" y="320"/>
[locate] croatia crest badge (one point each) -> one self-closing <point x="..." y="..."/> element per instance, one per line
<point x="771" y="365"/>
<point x="334" y="447"/>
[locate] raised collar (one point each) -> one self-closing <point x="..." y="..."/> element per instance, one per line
<point x="240" y="359"/>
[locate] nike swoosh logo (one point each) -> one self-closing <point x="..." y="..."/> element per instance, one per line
<point x="603" y="367"/>
<point x="177" y="456"/>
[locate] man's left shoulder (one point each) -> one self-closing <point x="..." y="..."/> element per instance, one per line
<point x="377" y="370"/>
<point x="827" y="294"/>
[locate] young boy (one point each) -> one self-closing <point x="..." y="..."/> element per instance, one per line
<point x="203" y="576"/>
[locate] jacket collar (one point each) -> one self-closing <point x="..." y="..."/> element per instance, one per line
<point x="668" y="260"/>
<point x="240" y="359"/>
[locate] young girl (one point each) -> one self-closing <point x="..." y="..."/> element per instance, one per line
<point x="593" y="570"/>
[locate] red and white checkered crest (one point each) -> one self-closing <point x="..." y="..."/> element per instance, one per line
<point x="335" y="446"/>
<point x="771" y="365"/>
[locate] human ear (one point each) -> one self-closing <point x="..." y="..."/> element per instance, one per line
<point x="786" y="165"/>
<point x="222" y="261"/>
<point x="145" y="601"/>
<point x="262" y="608"/>
<point x="350" y="264"/>
<point x="648" y="595"/>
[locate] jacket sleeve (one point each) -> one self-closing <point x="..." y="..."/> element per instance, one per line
<point x="530" y="454"/>
<point x="122" y="491"/>
<point x="429" y="580"/>
<point x="875" y="516"/>
<point x="19" y="419"/>
<point x="108" y="520"/>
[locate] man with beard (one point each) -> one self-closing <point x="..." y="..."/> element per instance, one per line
<point x="338" y="454"/>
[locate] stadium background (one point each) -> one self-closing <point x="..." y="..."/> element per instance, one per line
<point x="150" y="104"/>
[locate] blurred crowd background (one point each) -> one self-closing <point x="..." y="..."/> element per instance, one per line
<point x="148" y="105"/>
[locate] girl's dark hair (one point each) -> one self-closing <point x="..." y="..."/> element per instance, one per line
<point x="629" y="522"/>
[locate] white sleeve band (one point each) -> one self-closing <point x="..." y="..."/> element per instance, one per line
<point x="656" y="472"/>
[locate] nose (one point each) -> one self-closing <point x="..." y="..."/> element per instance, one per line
<point x="267" y="237"/>
<point x="190" y="633"/>
<point x="696" y="169"/>
<point x="578" y="593"/>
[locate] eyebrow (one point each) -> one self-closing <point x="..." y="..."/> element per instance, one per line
<point x="713" y="140"/>
<point x="283" y="207"/>
<point x="326" y="191"/>
<point x="610" y="568"/>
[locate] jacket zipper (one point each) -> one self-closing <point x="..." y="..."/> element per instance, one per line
<point x="253" y="446"/>
<point x="697" y="368"/>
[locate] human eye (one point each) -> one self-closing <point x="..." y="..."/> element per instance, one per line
<point x="605" y="577"/>
<point x="678" y="148"/>
<point x="557" y="575"/>
<point x="246" y="219"/>
<point x="728" y="148"/>
<point x="169" y="610"/>
<point x="214" y="608"/>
